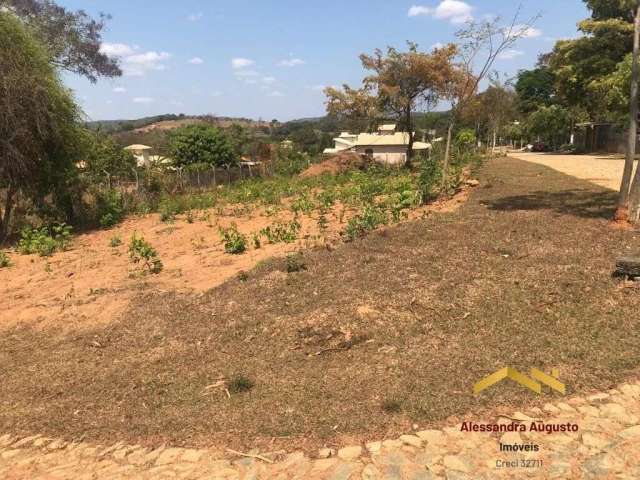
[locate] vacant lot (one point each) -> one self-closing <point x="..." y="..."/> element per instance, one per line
<point x="93" y="282"/>
<point x="366" y="339"/>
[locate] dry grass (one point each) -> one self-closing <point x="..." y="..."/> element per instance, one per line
<point x="368" y="339"/>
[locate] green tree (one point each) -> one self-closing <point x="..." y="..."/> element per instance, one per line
<point x="73" y="38"/>
<point x="201" y="144"/>
<point x="104" y="157"/>
<point x="580" y="64"/>
<point x="38" y="125"/>
<point x="239" y="139"/>
<point x="305" y="138"/>
<point x="550" y="124"/>
<point x="535" y="88"/>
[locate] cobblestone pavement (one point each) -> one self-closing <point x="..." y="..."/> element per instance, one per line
<point x="604" y="446"/>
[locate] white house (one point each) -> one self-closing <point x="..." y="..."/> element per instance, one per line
<point x="141" y="152"/>
<point x="386" y="146"/>
<point x="144" y="158"/>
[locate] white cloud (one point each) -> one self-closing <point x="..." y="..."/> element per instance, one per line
<point x="527" y="31"/>
<point x="194" y="17"/>
<point x="239" y="62"/>
<point x="119" y="90"/>
<point x="417" y="10"/>
<point x="216" y="93"/>
<point x="139" y="64"/>
<point x="250" y="81"/>
<point x="436" y="46"/>
<point x="135" y="63"/>
<point x="510" y="54"/>
<point x="454" y="11"/>
<point x="196" y="61"/>
<point x="143" y="100"/>
<point x="176" y="103"/>
<point x="268" y="80"/>
<point x="291" y="62"/>
<point x="275" y="94"/>
<point x="245" y="73"/>
<point x="116" y="49"/>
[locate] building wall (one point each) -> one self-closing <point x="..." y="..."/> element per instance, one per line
<point x="389" y="154"/>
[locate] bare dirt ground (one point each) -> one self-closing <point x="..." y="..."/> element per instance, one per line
<point x="601" y="169"/>
<point x="92" y="283"/>
<point x="370" y="338"/>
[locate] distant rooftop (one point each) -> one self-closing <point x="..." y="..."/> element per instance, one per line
<point x="137" y="147"/>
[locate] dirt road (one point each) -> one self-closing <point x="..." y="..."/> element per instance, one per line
<point x="603" y="170"/>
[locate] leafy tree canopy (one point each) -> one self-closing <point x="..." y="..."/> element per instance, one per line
<point x="534" y="88"/>
<point x="577" y="64"/>
<point x="105" y="157"/>
<point x="201" y="144"/>
<point x="73" y="38"/>
<point x="550" y="124"/>
<point x="39" y="123"/>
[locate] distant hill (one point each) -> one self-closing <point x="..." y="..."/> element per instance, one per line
<point x="168" y="122"/>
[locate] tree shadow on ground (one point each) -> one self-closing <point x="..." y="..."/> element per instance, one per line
<point x="578" y="202"/>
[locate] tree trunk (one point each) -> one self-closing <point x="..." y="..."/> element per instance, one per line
<point x="6" y="217"/>
<point x="493" y="148"/>
<point x="447" y="154"/>
<point x="409" y="124"/>
<point x="629" y="200"/>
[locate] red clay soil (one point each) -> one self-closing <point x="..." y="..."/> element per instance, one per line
<point x="338" y="163"/>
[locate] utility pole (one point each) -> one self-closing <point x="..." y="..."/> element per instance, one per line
<point x="622" y="212"/>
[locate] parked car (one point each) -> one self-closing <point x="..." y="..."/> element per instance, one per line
<point x="537" y="147"/>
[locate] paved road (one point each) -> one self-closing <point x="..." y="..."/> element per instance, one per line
<point x="602" y="170"/>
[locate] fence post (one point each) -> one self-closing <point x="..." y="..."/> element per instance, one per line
<point x="135" y="172"/>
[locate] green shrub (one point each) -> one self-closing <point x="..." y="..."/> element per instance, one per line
<point x="4" y="260"/>
<point x="256" y="241"/>
<point x="302" y="205"/>
<point x="323" y="223"/>
<point x="369" y="219"/>
<point x="326" y="198"/>
<point x="45" y="240"/>
<point x="115" y="241"/>
<point x="110" y="208"/>
<point x="281" y="232"/>
<point x="295" y="263"/>
<point x="289" y="162"/>
<point x="168" y="209"/>
<point x="429" y="178"/>
<point x="140" y="251"/>
<point x="234" y="241"/>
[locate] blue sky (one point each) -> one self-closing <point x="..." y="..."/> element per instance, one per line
<point x="267" y="60"/>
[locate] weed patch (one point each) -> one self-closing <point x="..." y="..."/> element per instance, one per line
<point x="281" y="232"/>
<point x="46" y="240"/>
<point x="239" y="384"/>
<point x="141" y="251"/>
<point x="234" y="241"/>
